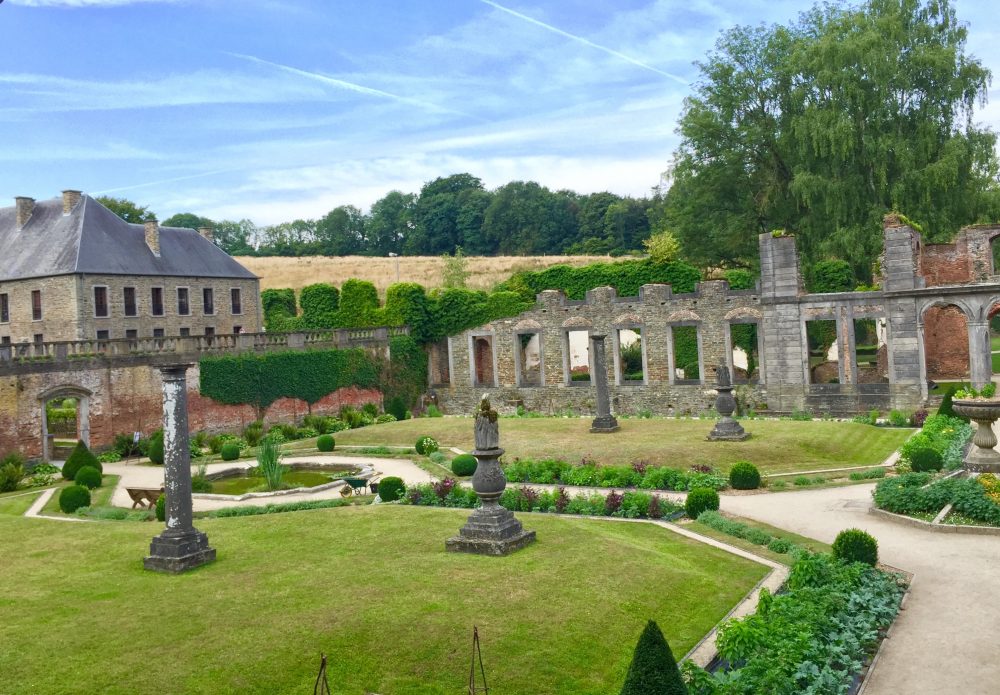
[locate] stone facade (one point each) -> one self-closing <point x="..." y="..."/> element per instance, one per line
<point x="931" y="317"/>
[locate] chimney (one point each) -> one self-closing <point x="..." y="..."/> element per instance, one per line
<point x="70" y="199"/>
<point x="153" y="236"/>
<point x="24" y="207"/>
<point x="207" y="233"/>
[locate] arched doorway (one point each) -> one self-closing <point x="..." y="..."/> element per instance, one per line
<point x="946" y="345"/>
<point x="61" y="395"/>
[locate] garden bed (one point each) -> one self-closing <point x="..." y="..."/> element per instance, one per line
<point x="239" y="483"/>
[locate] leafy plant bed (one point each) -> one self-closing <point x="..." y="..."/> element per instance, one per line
<point x="588" y="474"/>
<point x="763" y="539"/>
<point x="418" y="608"/>
<point x="976" y="499"/>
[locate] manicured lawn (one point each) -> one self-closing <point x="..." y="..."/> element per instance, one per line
<point x="370" y="586"/>
<point x="98" y="497"/>
<point x="17" y="504"/>
<point x="775" y="445"/>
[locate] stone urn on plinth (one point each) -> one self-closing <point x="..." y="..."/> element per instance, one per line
<point x="982" y="457"/>
<point x="726" y="429"/>
<point x="491" y="529"/>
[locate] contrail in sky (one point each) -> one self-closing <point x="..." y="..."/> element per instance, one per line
<point x="585" y="42"/>
<point x="350" y="86"/>
<point x="162" y="181"/>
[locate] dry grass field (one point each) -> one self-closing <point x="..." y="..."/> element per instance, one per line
<point x="484" y="271"/>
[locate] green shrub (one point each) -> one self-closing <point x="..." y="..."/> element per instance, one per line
<point x="11" y="475"/>
<point x="780" y="545"/>
<point x="73" y="497"/>
<point x="370" y="409"/>
<point x="897" y="418"/>
<point x="326" y="442"/>
<point x="433" y="411"/>
<point x="89" y="477"/>
<point x="464" y="464"/>
<point x="161" y="508"/>
<point x="230" y="451"/>
<point x="946" y="408"/>
<point x="925" y="459"/>
<point x="854" y="545"/>
<point x="391" y="489"/>
<point x="109" y="456"/>
<point x="155" y="451"/>
<point x="438" y="457"/>
<point x="653" y="670"/>
<point x="426" y="445"/>
<point x="744" y="476"/>
<point x="699" y="500"/>
<point x="385" y="418"/>
<point x="288" y="431"/>
<point x="872" y="474"/>
<point x="397" y="407"/>
<point x="81" y="456"/>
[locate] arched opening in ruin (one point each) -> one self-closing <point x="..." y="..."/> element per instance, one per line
<point x="744" y="351"/>
<point x="630" y="355"/>
<point x="65" y="420"/>
<point x="946" y="344"/>
<point x="528" y="357"/>
<point x="484" y="371"/>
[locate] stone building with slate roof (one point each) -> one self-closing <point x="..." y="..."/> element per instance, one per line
<point x="70" y="269"/>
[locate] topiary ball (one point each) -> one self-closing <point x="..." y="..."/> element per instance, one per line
<point x="89" y="477"/>
<point x="230" y="451"/>
<point x="699" y="500"/>
<point x="73" y="497"/>
<point x="854" y="545"/>
<point x="80" y="456"/>
<point x="926" y="459"/>
<point x="155" y="452"/>
<point x="391" y="489"/>
<point x="426" y="446"/>
<point x="325" y="442"/>
<point x="744" y="476"/>
<point x="161" y="508"/>
<point x="464" y="464"/>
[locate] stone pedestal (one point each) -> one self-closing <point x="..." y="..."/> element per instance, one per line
<point x="491" y="529"/>
<point x="982" y="456"/>
<point x="726" y="429"/>
<point x="605" y="421"/>
<point x="180" y="547"/>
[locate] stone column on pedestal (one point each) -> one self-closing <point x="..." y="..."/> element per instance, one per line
<point x="491" y="529"/>
<point x="726" y="429"/>
<point x="180" y="547"/>
<point x="605" y="421"/>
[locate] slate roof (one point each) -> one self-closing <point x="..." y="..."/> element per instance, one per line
<point x="93" y="240"/>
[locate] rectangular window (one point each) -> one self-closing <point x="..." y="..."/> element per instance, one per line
<point x="208" y="301"/>
<point x="438" y="358"/>
<point x="630" y="356"/>
<point x="4" y="308"/>
<point x="870" y="354"/>
<point x="36" y="305"/>
<point x="237" y="330"/>
<point x="5" y="340"/>
<point x="39" y="338"/>
<point x="103" y="335"/>
<point x="128" y="294"/>
<point x="101" y="302"/>
<point x="131" y="333"/>
<point x="744" y="353"/>
<point x="156" y="300"/>
<point x="185" y="332"/>
<point x="576" y="356"/>
<point x="824" y="357"/>
<point x="183" y="307"/>
<point x="528" y="347"/>
<point x="237" y="304"/>
<point x="157" y="332"/>
<point x="687" y="361"/>
<point x="209" y="330"/>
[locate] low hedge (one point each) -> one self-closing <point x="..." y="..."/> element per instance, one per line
<point x="737" y="529"/>
<point x="557" y="472"/>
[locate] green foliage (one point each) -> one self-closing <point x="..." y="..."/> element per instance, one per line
<point x="946" y="435"/>
<point x="385" y="418"/>
<point x="653" y="670"/>
<point x="358" y="304"/>
<point x="155" y="450"/>
<point x="925" y="459"/>
<point x="554" y="471"/>
<point x="744" y="476"/>
<point x="161" y="508"/>
<point x="261" y="379"/>
<point x="406" y="303"/>
<point x="946" y="408"/>
<point x="662" y="247"/>
<point x="426" y="446"/>
<point x="11" y="474"/>
<point x="626" y="277"/>
<point x="73" y="497"/>
<point x="391" y="489"/>
<point x="126" y="209"/>
<point x="269" y="463"/>
<point x="80" y="456"/>
<point x="831" y="276"/>
<point x="397" y="408"/>
<point x="406" y="377"/>
<point x="464" y="465"/>
<point x="740" y="279"/>
<point x="89" y="477"/>
<point x="873" y="474"/>
<point x="279" y="309"/>
<point x="319" y="303"/>
<point x="230" y="451"/>
<point x="325" y="442"/>
<point x="255" y="510"/>
<point x="854" y="545"/>
<point x="699" y="500"/>
<point x="455" y="272"/>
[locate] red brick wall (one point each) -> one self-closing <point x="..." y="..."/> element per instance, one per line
<point x="946" y="343"/>
<point x="946" y="264"/>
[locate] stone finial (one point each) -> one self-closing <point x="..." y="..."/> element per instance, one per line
<point x="722" y="377"/>
<point x="152" y="228"/>
<point x="24" y="206"/>
<point x="69" y="200"/>
<point x="207" y="233"/>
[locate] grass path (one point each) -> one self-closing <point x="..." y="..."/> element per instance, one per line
<point x="370" y="586"/>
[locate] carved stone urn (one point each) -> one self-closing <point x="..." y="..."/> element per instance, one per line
<point x="982" y="457"/>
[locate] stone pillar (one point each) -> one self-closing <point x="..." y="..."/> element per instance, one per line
<point x="605" y="421"/>
<point x="980" y="359"/>
<point x="491" y="529"/>
<point x="180" y="547"/>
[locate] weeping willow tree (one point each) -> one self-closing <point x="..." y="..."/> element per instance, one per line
<point x="822" y="126"/>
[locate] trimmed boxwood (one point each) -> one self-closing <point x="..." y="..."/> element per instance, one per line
<point x="699" y="500"/>
<point x="80" y="456"/>
<point x="230" y="451"/>
<point x="155" y="451"/>
<point x="73" y="497"/>
<point x="325" y="442"/>
<point x="161" y="508"/>
<point x="653" y="670"/>
<point x="391" y="489"/>
<point x="426" y="446"/>
<point x="89" y="477"/>
<point x="926" y="459"/>
<point x="744" y="476"/>
<point x="854" y="545"/>
<point x="464" y="464"/>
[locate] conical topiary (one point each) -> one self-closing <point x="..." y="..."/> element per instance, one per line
<point x="653" y="670"/>
<point x="80" y="456"/>
<point x="946" y="408"/>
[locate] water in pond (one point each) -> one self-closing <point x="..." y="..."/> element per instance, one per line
<point x="240" y="483"/>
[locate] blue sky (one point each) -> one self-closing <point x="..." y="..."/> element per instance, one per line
<point x="279" y="109"/>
